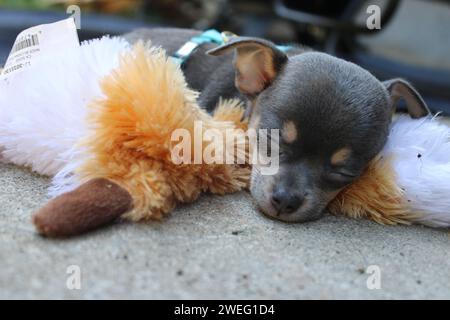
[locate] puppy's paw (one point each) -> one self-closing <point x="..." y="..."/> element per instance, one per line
<point x="91" y="205"/>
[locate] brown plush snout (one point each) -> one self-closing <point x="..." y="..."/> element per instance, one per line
<point x="93" y="204"/>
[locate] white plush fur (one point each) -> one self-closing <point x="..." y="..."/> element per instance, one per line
<point x="421" y="151"/>
<point x="42" y="110"/>
<point x="43" y="117"/>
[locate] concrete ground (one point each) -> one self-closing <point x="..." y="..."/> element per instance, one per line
<point x="218" y="247"/>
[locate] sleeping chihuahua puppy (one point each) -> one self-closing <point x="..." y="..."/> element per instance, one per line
<point x="333" y="115"/>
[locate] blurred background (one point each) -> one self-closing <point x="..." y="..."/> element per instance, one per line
<point x="413" y="42"/>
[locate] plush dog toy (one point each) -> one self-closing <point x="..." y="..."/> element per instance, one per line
<point x="107" y="140"/>
<point x="99" y="120"/>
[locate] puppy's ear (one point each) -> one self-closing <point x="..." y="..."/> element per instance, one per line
<point x="400" y="89"/>
<point x="257" y="62"/>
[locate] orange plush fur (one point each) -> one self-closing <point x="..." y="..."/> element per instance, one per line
<point x="146" y="98"/>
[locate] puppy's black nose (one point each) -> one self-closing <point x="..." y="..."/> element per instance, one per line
<point x="285" y="201"/>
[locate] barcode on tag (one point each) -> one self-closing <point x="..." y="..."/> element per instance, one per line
<point x="31" y="41"/>
<point x="36" y="44"/>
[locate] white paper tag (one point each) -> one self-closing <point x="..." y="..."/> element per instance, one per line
<point x="33" y="44"/>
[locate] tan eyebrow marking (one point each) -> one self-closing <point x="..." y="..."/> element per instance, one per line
<point x="340" y="156"/>
<point x="289" y="132"/>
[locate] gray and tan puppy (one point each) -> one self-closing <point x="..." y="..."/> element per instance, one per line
<point x="333" y="115"/>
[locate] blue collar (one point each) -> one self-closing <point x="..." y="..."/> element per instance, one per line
<point x="209" y="36"/>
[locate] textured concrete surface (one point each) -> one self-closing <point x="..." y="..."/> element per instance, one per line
<point x="218" y="247"/>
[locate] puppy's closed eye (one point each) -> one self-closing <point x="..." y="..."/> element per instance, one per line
<point x="341" y="175"/>
<point x="339" y="178"/>
<point x="338" y="174"/>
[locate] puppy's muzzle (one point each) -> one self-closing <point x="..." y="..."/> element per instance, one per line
<point x="286" y="201"/>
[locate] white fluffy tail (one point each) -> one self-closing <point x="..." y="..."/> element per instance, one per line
<point x="421" y="151"/>
<point x="42" y="111"/>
